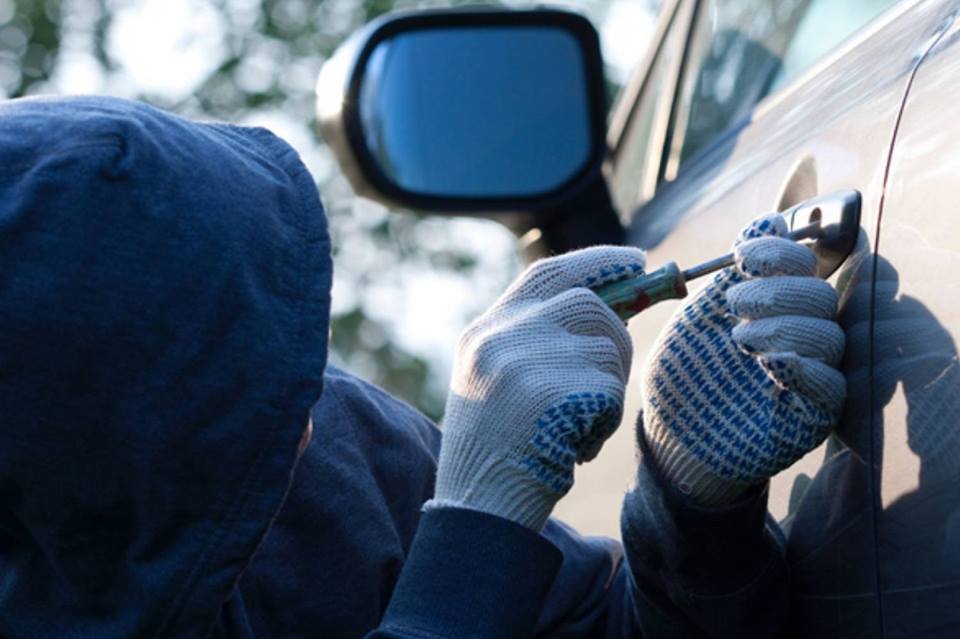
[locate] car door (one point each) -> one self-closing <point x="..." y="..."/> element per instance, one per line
<point x="915" y="406"/>
<point x="773" y="102"/>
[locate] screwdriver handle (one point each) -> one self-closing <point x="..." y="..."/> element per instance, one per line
<point x="629" y="297"/>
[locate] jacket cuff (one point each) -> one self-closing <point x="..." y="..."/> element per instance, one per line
<point x="694" y="549"/>
<point x="471" y="574"/>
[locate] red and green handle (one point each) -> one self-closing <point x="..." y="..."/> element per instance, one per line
<point x="629" y="297"/>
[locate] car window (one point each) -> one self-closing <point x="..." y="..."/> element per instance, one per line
<point x="824" y="25"/>
<point x="741" y="50"/>
<point x="638" y="153"/>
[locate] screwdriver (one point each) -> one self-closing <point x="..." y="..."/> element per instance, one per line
<point x="629" y="297"/>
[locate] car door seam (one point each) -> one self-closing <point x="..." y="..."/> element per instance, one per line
<point x="875" y="471"/>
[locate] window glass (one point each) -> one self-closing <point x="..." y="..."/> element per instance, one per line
<point x="640" y="149"/>
<point x="825" y="24"/>
<point x="741" y="50"/>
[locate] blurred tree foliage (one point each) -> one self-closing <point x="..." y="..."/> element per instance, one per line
<point x="273" y="51"/>
<point x="268" y="60"/>
<point x="29" y="43"/>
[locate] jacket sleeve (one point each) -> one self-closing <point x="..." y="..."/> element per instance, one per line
<point x="470" y="574"/>
<point x="683" y="571"/>
<point x="697" y="572"/>
<point x="688" y="573"/>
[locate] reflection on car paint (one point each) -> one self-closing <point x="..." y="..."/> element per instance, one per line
<point x="915" y="358"/>
<point x="886" y="503"/>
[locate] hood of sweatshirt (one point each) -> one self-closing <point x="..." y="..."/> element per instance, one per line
<point x="164" y="314"/>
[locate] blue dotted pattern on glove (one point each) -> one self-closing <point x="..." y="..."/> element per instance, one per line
<point x="572" y="430"/>
<point x="613" y="274"/>
<point x="719" y="402"/>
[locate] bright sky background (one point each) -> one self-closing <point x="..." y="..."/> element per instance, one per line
<point x="169" y="46"/>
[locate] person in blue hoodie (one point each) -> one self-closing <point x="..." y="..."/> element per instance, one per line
<point x="164" y="304"/>
<point x="164" y="307"/>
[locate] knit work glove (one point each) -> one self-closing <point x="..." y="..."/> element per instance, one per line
<point x="537" y="385"/>
<point x="742" y="383"/>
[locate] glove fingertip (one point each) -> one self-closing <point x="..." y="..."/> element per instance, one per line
<point x="742" y="338"/>
<point x="585" y="268"/>
<point x="773" y="256"/>
<point x="612" y="264"/>
<point x="787" y="295"/>
<point x="818" y="382"/>
<point x="768" y="224"/>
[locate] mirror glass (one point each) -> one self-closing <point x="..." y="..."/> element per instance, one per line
<point x="477" y="111"/>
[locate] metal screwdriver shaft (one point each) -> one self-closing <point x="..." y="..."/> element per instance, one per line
<point x="629" y="297"/>
<point x="806" y="233"/>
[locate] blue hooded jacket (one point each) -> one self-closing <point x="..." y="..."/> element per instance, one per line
<point x="164" y="303"/>
<point x="164" y="308"/>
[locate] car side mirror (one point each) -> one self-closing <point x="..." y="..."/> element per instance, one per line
<point x="468" y="111"/>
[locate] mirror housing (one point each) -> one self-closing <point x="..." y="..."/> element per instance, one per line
<point x="506" y="118"/>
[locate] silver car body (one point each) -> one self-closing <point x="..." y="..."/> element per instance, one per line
<point x="873" y="516"/>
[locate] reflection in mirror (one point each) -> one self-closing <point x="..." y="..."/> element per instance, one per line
<point x="477" y="112"/>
